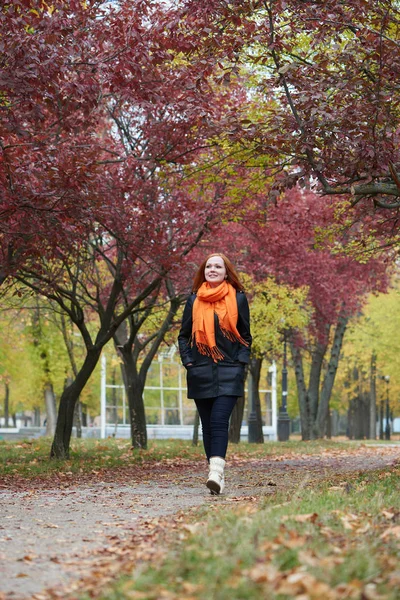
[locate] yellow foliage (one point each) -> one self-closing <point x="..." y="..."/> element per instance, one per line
<point x="274" y="308"/>
<point x="374" y="332"/>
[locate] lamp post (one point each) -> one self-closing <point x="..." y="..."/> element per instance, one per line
<point x="381" y="420"/>
<point x="387" y="428"/>
<point x="283" y="417"/>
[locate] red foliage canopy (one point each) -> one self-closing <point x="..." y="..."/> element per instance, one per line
<point x="326" y="75"/>
<point x="99" y="123"/>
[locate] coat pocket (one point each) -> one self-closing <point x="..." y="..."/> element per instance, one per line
<point x="230" y="376"/>
<point x="200" y="381"/>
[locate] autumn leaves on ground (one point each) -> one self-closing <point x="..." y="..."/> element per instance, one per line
<point x="298" y="520"/>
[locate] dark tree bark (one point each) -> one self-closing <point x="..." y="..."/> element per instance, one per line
<point x="131" y="349"/>
<point x="314" y="399"/>
<point x="304" y="405"/>
<point x="313" y="393"/>
<point x="68" y="400"/>
<point x="329" y="379"/>
<point x="255" y="370"/>
<point x="70" y="350"/>
<point x="134" y="383"/>
<point x="73" y="297"/>
<point x="195" y="438"/>
<point x="235" y="423"/>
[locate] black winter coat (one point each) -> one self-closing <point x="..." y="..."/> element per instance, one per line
<point x="206" y="378"/>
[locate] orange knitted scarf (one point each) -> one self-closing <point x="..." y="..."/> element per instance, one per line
<point x="222" y="301"/>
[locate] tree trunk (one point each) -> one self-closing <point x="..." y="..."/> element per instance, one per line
<point x="195" y="438"/>
<point x="36" y="417"/>
<point x="236" y="420"/>
<point x="301" y="393"/>
<point x="51" y="411"/>
<point x="255" y="370"/>
<point x="70" y="349"/>
<point x="68" y="400"/>
<point x="130" y="348"/>
<point x="78" y="418"/>
<point x="318" y="355"/>
<point x="330" y="375"/>
<point x="134" y="386"/>
<point x="372" y="398"/>
<point x="6" y="404"/>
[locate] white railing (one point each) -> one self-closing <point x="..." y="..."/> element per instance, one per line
<point x="182" y="412"/>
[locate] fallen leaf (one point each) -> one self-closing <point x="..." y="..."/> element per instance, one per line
<point x="264" y="573"/>
<point x="395" y="531"/>
<point x="311" y="517"/>
<point x="387" y="514"/>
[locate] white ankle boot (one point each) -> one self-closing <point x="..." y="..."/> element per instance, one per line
<point x="216" y="480"/>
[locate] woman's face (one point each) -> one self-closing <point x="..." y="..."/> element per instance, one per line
<point x="215" y="271"/>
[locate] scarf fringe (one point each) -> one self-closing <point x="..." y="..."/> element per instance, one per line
<point x="213" y="352"/>
<point x="231" y="336"/>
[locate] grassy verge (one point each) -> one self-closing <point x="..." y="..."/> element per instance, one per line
<point x="340" y="540"/>
<point x="30" y="458"/>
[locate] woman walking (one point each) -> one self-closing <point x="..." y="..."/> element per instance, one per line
<point x="214" y="344"/>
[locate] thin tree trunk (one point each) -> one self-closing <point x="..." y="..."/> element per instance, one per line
<point x="195" y="438"/>
<point x="51" y="412"/>
<point x="36" y="417"/>
<point x="6" y="404"/>
<point x="301" y="392"/>
<point x="70" y="349"/>
<point x="318" y="355"/>
<point x="78" y="418"/>
<point x="68" y="400"/>
<point x="236" y="420"/>
<point x="372" y="398"/>
<point x="134" y="386"/>
<point x="130" y="348"/>
<point x="329" y="379"/>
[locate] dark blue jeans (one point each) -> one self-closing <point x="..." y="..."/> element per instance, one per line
<point x="214" y="415"/>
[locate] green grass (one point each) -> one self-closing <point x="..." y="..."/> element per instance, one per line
<point x="30" y="458"/>
<point x="328" y="542"/>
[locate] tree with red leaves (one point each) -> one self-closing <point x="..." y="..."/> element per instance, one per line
<point x="102" y="129"/>
<point x="288" y="242"/>
<point x="287" y="245"/>
<point x="76" y="79"/>
<point x="324" y="88"/>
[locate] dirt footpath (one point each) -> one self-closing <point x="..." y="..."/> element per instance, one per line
<point x="53" y="539"/>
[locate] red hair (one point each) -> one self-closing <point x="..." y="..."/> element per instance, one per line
<point x="231" y="274"/>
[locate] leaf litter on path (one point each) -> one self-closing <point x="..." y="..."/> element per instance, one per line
<point x="60" y="537"/>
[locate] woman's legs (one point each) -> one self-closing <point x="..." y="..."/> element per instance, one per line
<point x="215" y="414"/>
